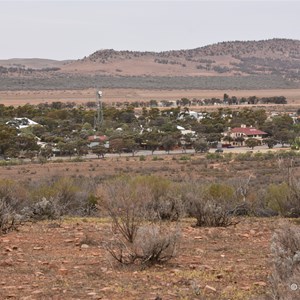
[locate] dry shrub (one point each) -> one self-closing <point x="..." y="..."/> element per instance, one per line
<point x="14" y="194"/>
<point x="12" y="200"/>
<point x="284" y="199"/>
<point x="285" y="278"/>
<point x="8" y="217"/>
<point x="126" y="203"/>
<point x="166" y="198"/>
<point x="136" y="240"/>
<point x="65" y="195"/>
<point x="211" y="205"/>
<point x="169" y="206"/>
<point x="45" y="209"/>
<point x="154" y="243"/>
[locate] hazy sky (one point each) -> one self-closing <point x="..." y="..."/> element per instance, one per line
<point x="74" y="29"/>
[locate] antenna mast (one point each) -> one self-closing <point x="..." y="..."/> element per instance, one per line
<point x="99" y="116"/>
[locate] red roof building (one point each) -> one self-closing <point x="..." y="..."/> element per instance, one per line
<point x="247" y="132"/>
<point x="241" y="134"/>
<point x="97" y="138"/>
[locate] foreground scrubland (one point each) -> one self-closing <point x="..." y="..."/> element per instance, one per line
<point x="159" y="227"/>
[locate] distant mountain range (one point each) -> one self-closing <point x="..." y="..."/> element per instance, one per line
<point x="267" y="63"/>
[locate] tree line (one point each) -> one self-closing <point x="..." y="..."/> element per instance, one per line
<point x="66" y="128"/>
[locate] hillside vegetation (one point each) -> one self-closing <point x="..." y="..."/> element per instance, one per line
<point x="228" y="65"/>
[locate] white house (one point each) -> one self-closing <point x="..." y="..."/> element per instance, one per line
<point x="21" y="123"/>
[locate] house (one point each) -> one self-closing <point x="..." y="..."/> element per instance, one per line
<point x="21" y="123"/>
<point x="239" y="135"/>
<point x="95" y="140"/>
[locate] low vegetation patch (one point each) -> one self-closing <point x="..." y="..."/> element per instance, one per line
<point x="285" y="277"/>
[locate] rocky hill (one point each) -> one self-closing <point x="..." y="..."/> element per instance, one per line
<point x="276" y="56"/>
<point x="277" y="60"/>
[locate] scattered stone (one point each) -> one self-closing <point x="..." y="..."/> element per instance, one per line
<point x="38" y="248"/>
<point x="69" y="241"/>
<point x="246" y="235"/>
<point x="107" y="288"/>
<point x="63" y="271"/>
<point x="228" y="289"/>
<point x="260" y="283"/>
<point x="210" y="288"/>
<point x="37" y="292"/>
<point x="6" y="263"/>
<point x="84" y="246"/>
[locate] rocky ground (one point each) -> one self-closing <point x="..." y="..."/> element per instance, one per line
<point x="68" y="260"/>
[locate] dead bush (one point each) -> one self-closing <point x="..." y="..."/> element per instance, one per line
<point x="126" y="203"/>
<point x="285" y="277"/>
<point x="136" y="240"/>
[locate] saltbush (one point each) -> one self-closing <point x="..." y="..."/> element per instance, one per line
<point x="285" y="276"/>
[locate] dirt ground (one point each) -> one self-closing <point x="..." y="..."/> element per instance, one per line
<point x="47" y="261"/>
<point x="178" y="168"/>
<point x="113" y="95"/>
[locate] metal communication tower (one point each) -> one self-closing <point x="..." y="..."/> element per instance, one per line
<point x="99" y="115"/>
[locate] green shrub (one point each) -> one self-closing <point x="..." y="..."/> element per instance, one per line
<point x="284" y="199"/>
<point x="214" y="156"/>
<point x="185" y="158"/>
<point x="142" y="158"/>
<point x="156" y="158"/>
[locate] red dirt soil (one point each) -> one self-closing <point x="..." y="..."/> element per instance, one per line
<point x="46" y="260"/>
